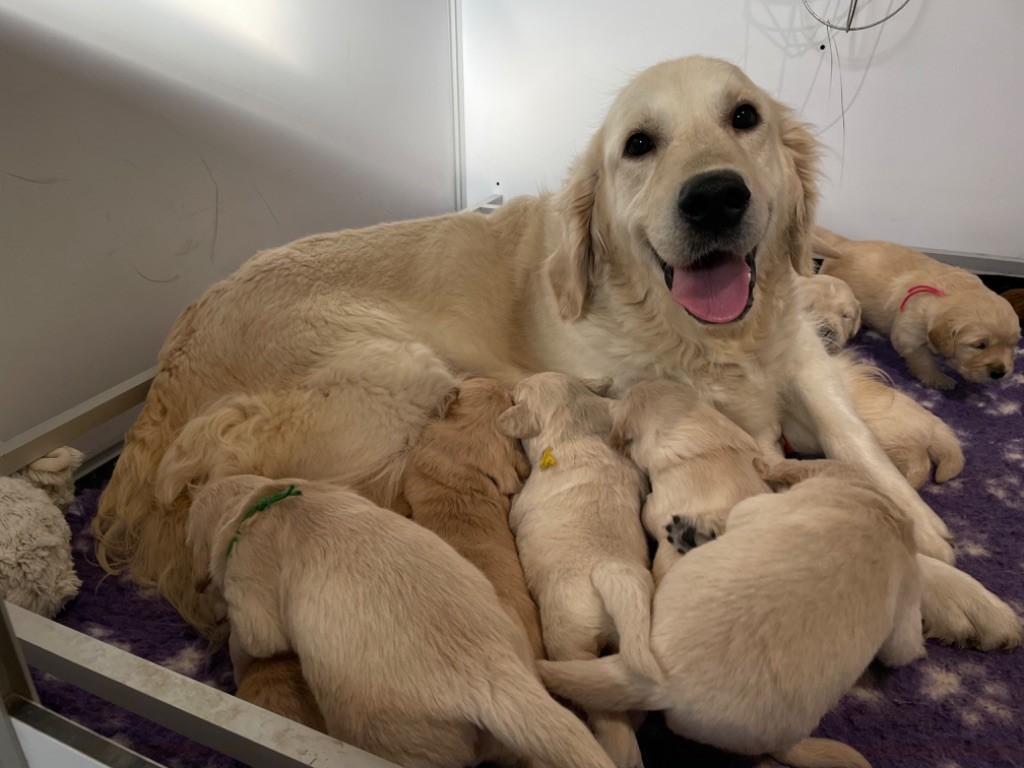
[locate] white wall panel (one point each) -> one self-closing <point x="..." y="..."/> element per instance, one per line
<point x="928" y="153"/>
<point x="147" y="147"/>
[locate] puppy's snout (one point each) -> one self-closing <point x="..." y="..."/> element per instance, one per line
<point x="715" y="201"/>
<point x="997" y="371"/>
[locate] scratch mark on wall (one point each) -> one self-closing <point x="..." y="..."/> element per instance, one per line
<point x="45" y="180"/>
<point x="269" y="209"/>
<point x="171" y="279"/>
<point x="216" y="208"/>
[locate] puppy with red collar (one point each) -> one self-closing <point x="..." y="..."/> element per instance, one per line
<point x="926" y="308"/>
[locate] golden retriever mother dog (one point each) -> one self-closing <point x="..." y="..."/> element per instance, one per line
<point x="669" y="253"/>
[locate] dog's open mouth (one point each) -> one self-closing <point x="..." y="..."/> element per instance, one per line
<point x="719" y="288"/>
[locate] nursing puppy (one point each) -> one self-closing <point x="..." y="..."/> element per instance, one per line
<point x="578" y="530"/>
<point x="761" y="631"/>
<point x="459" y="484"/>
<point x="831" y="307"/>
<point x="305" y="433"/>
<point x="913" y="437"/>
<point x="926" y="308"/>
<point x="700" y="465"/>
<point x="277" y="685"/>
<point x="402" y="642"/>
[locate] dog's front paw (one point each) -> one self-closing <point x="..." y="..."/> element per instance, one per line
<point x="938" y="381"/>
<point x="987" y="624"/>
<point x="957" y="609"/>
<point x="685" y="533"/>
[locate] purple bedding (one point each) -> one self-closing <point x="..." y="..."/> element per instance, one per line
<point x="954" y="709"/>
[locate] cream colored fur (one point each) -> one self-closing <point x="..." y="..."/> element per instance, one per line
<point x="831" y="307"/>
<point x="402" y="642"/>
<point x="973" y="329"/>
<point x="563" y="282"/>
<point x="761" y="631"/>
<point x="699" y="463"/>
<point x="577" y="527"/>
<point x="913" y="437"/>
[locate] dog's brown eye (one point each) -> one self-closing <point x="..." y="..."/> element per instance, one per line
<point x="745" y="117"/>
<point x="639" y="144"/>
<point x="980" y="345"/>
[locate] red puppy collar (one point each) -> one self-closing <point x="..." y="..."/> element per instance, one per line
<point x="916" y="289"/>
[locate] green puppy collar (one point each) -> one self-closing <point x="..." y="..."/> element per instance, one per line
<point x="259" y="506"/>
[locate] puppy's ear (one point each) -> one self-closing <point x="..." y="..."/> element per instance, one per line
<point x="598" y="386"/>
<point x="803" y="153"/>
<point x="856" y="321"/>
<point x="571" y="266"/>
<point x="942" y="335"/>
<point x="445" y="405"/>
<point x="519" y="422"/>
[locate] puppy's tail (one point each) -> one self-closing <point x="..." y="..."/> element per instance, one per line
<point x="626" y="590"/>
<point x="520" y="714"/>
<point x="822" y="753"/>
<point x="946" y="452"/>
<point x="606" y="684"/>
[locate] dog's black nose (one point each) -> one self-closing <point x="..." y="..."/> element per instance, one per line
<point x="998" y="372"/>
<point x="714" y="201"/>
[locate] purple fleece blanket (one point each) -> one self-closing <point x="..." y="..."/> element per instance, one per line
<point x="954" y="709"/>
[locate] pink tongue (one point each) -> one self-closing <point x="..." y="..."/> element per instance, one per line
<point x="717" y="293"/>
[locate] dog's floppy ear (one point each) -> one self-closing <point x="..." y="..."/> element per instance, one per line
<point x="571" y="266"/>
<point x="803" y="155"/>
<point x="519" y="422"/>
<point x="446" y="403"/>
<point x="600" y="386"/>
<point x="856" y="321"/>
<point x="942" y="335"/>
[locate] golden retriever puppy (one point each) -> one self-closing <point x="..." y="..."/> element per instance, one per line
<point x="300" y="433"/>
<point x="459" y="483"/>
<point x="913" y="437"/>
<point x="578" y="530"/>
<point x="926" y="308"/>
<point x="699" y="463"/>
<point x="607" y="276"/>
<point x="276" y="684"/>
<point x="401" y="641"/>
<point x="831" y="306"/>
<point x="761" y="631"/>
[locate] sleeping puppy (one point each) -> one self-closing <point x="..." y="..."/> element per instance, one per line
<point x="831" y="307"/>
<point x="459" y="483"/>
<point x="761" y="631"/>
<point x="578" y="530"/>
<point x="925" y="308"/>
<point x="913" y="437"/>
<point x="699" y="463"/>
<point x="402" y="642"/>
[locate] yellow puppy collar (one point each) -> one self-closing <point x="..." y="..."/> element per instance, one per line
<point x="547" y="459"/>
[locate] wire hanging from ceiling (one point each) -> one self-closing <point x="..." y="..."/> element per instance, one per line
<point x="848" y="27"/>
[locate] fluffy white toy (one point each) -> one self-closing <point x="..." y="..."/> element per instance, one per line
<point x="36" y="571"/>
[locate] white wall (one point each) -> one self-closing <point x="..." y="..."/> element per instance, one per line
<point x="147" y="147"/>
<point x="930" y="154"/>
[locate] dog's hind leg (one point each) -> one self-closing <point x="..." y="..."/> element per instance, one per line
<point x="613" y="730"/>
<point x="906" y="642"/>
